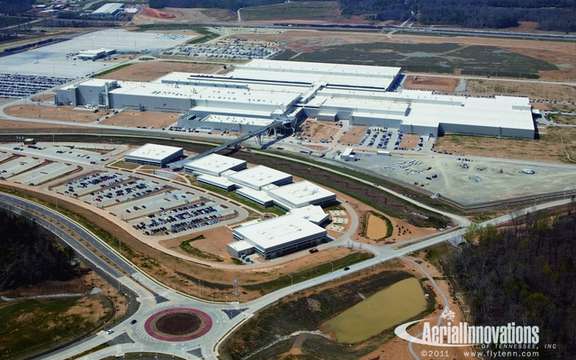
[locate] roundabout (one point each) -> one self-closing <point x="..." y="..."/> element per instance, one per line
<point x="178" y="324"/>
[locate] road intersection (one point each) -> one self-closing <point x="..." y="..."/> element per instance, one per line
<point x="150" y="296"/>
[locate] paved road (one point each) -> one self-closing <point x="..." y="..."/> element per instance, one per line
<point x="154" y="296"/>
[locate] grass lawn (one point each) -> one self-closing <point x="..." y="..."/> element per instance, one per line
<point x="30" y="326"/>
<point x="435" y="58"/>
<point x="307" y="274"/>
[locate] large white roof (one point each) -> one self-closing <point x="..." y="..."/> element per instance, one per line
<point x="154" y="152"/>
<point x="311" y="213"/>
<point x="208" y="93"/>
<point x="258" y="176"/>
<point x="278" y="231"/>
<point x="214" y="163"/>
<point x="301" y="193"/>
<point x="424" y="108"/>
<point x="308" y="72"/>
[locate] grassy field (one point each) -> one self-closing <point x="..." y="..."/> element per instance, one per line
<point x="434" y="58"/>
<point x="309" y="273"/>
<point x="376" y="226"/>
<point x="194" y="251"/>
<point x="366" y="319"/>
<point x="30" y="326"/>
<point x="292" y="10"/>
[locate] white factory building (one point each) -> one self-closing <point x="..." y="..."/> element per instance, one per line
<point x="154" y="154"/>
<point x="254" y="95"/>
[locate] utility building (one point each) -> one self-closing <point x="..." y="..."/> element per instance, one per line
<point x="153" y="154"/>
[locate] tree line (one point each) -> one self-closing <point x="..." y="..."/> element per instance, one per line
<point x="524" y="274"/>
<point x="556" y="15"/>
<point x="12" y="7"/>
<point x="30" y="254"/>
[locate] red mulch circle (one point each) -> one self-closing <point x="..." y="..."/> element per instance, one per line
<point x="178" y="324"/>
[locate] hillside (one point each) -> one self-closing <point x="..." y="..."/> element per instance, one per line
<point x="30" y="254"/>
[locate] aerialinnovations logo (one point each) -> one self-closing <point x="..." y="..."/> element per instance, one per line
<point x="463" y="334"/>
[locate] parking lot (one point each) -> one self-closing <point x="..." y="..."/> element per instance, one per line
<point x="77" y="153"/>
<point x="468" y="180"/>
<point x="199" y="214"/>
<point x="44" y="173"/>
<point x="121" y="192"/>
<point x="235" y="49"/>
<point x="90" y="183"/>
<point x="151" y="204"/>
<point x="147" y="205"/>
<point x="18" y="165"/>
<point x="19" y="86"/>
<point x="390" y="139"/>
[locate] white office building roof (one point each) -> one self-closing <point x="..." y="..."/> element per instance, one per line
<point x="301" y="194"/>
<point x="240" y="246"/>
<point x="312" y="213"/>
<point x="275" y="233"/>
<point x="214" y="164"/>
<point x="261" y="197"/>
<point x="109" y="8"/>
<point x="259" y="176"/>
<point x="154" y="152"/>
<point x="318" y="73"/>
<point x="217" y="181"/>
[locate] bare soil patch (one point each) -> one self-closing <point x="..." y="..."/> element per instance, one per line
<point x="318" y="131"/>
<point x="151" y="70"/>
<point x="353" y="135"/>
<point x="532" y="90"/>
<point x="409" y="141"/>
<point x="445" y="85"/>
<point x="62" y="113"/>
<point x="182" y="15"/>
<point x="15" y="125"/>
<point x="554" y="145"/>
<point x="147" y="119"/>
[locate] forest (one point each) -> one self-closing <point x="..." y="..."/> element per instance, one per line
<point x="556" y="15"/>
<point x="30" y="254"/>
<point x="12" y="7"/>
<point x="525" y="273"/>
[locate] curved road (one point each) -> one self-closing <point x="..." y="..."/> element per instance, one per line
<point x="154" y="296"/>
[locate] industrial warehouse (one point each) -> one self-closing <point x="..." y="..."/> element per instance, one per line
<point x="261" y="93"/>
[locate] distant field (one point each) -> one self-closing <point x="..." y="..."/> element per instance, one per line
<point x="555" y="144"/>
<point x="433" y="58"/>
<point x="436" y="54"/>
<point x="292" y="10"/>
<point x="151" y="70"/>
